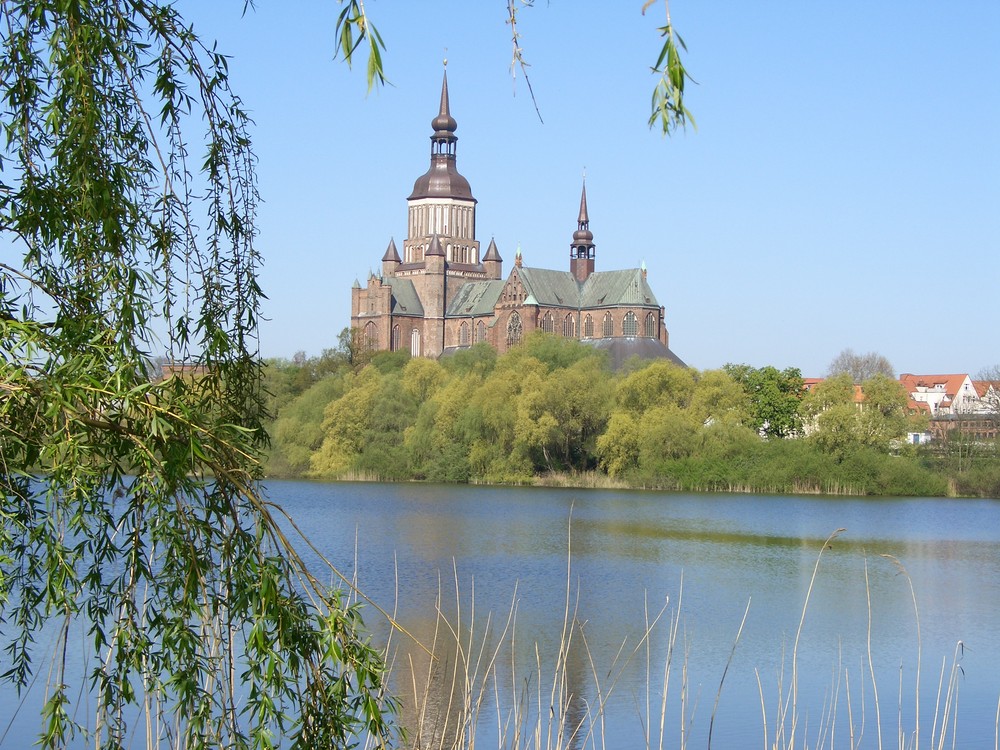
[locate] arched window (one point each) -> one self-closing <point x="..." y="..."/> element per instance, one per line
<point x="394" y="344"/>
<point x="569" y="327"/>
<point x="609" y="326"/>
<point x="371" y="336"/>
<point x="480" y="334"/>
<point x="514" y="329"/>
<point x="463" y="334"/>
<point x="651" y="325"/>
<point x="547" y="325"/>
<point x="588" y="327"/>
<point x="630" y="325"/>
<point x="415" y="343"/>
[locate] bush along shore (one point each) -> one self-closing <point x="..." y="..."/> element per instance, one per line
<point x="551" y="412"/>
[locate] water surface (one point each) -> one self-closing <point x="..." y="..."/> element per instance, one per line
<point x="707" y="557"/>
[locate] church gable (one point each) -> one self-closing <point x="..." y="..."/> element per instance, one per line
<point x="514" y="291"/>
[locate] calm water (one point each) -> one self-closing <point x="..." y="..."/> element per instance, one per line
<point x="476" y="553"/>
<point x="708" y="557"/>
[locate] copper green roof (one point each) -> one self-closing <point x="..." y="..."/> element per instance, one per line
<point x="475" y="298"/>
<point x="601" y="289"/>
<point x="551" y="288"/>
<point x="626" y="287"/>
<point x="404" y="298"/>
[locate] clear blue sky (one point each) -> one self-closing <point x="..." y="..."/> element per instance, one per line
<point x="842" y="188"/>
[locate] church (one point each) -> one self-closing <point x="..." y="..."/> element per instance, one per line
<point x="444" y="294"/>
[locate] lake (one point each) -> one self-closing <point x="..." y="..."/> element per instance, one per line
<point x="535" y="603"/>
<point x="619" y="557"/>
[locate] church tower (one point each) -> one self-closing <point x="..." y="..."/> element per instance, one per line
<point x="581" y="251"/>
<point x="441" y="202"/>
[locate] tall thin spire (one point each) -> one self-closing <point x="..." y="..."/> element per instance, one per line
<point x="581" y="250"/>
<point x="444" y="124"/>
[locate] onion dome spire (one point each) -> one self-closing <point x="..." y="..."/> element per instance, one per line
<point x="442" y="180"/>
<point x="581" y="249"/>
<point x="444" y="124"/>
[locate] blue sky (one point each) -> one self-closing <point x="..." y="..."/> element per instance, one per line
<point x="842" y="188"/>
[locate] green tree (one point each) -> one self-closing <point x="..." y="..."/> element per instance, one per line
<point x="718" y="398"/>
<point x="845" y="417"/>
<point x="561" y="413"/>
<point x="833" y="391"/>
<point x="297" y="433"/>
<point x="364" y="429"/>
<point x="131" y="509"/>
<point x="619" y="447"/>
<point x="774" y="397"/>
<point x="658" y="384"/>
<point x="498" y="452"/>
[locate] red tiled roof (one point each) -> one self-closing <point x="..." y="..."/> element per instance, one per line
<point x="952" y="383"/>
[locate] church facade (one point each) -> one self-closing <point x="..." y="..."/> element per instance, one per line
<point x="443" y="295"/>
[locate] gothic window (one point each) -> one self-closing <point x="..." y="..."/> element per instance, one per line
<point x="609" y="326"/>
<point x="588" y="327"/>
<point x="415" y="343"/>
<point x="480" y="334"/>
<point x="547" y="325"/>
<point x="463" y="334"/>
<point x="514" y="329"/>
<point x="630" y="325"/>
<point x="650" y="325"/>
<point x="371" y="336"/>
<point x="569" y="329"/>
<point x="394" y="344"/>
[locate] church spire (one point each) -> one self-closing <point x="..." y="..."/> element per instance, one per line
<point x="442" y="180"/>
<point x="581" y="250"/>
<point x="444" y="124"/>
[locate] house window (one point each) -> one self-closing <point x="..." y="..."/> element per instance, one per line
<point x="630" y="325"/>
<point x="514" y="329"/>
<point x="547" y="325"/>
<point x="480" y="334"/>
<point x="463" y="334"/>
<point x="415" y="343"/>
<point x="371" y="336"/>
<point x="588" y="327"/>
<point x="609" y="326"/>
<point x="651" y="325"/>
<point x="394" y="344"/>
<point x="569" y="327"/>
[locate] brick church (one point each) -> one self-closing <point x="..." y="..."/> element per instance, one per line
<point x="444" y="294"/>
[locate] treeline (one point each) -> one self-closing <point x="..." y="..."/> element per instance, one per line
<point x="552" y="410"/>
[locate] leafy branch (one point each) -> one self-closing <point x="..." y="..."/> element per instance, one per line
<point x="353" y="28"/>
<point x="667" y="106"/>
